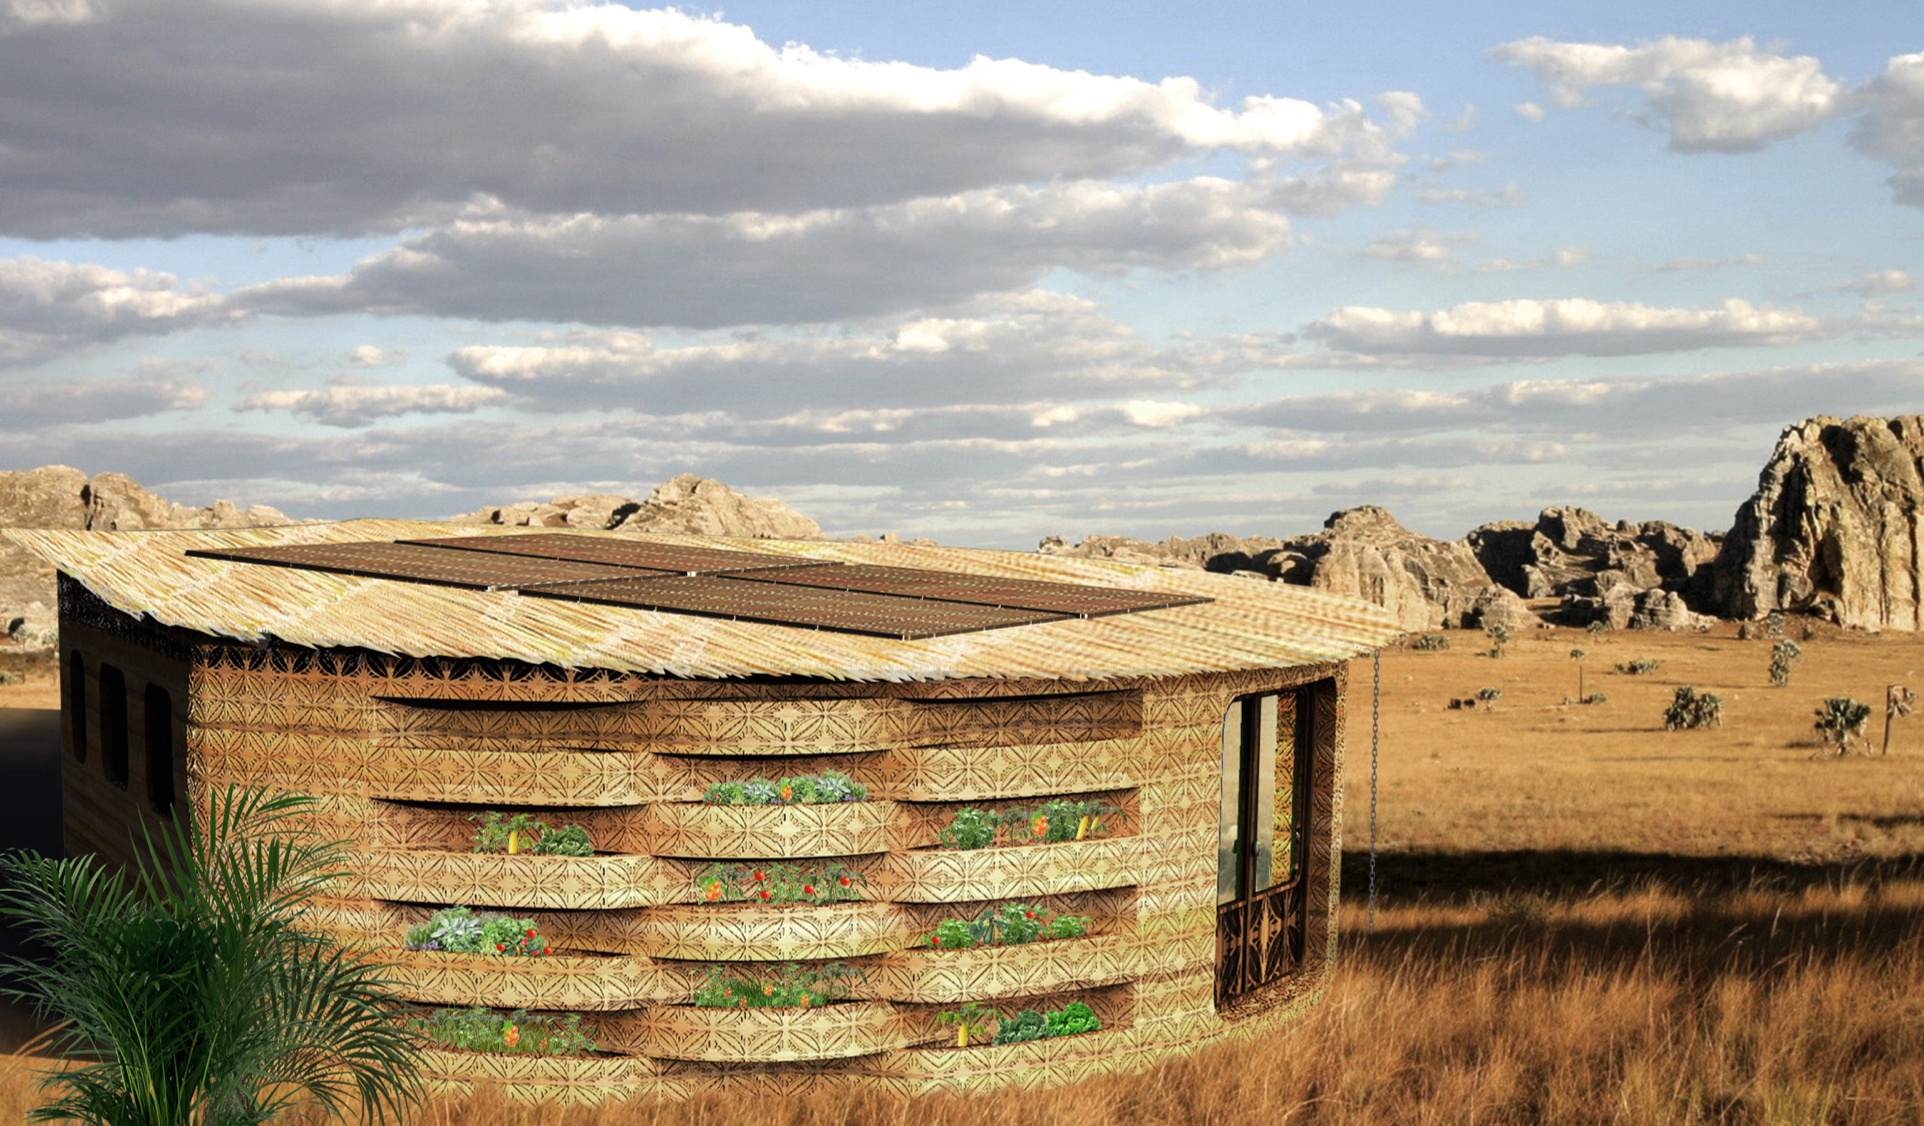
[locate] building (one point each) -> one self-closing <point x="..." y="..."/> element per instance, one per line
<point x="609" y="680"/>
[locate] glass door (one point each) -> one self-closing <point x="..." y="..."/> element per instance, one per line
<point x="1262" y="841"/>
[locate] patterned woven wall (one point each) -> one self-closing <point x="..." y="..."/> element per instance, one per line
<point x="402" y="752"/>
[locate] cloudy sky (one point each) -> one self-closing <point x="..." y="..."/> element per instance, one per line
<point x="982" y="272"/>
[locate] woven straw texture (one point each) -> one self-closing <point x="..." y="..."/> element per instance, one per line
<point x="402" y="751"/>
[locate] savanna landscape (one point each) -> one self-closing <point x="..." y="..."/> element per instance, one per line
<point x="1581" y="916"/>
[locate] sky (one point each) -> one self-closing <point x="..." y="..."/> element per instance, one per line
<point x="980" y="272"/>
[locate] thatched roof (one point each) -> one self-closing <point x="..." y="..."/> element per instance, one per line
<point x="1250" y="624"/>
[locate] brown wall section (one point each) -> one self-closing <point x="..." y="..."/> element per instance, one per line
<point x="401" y="751"/>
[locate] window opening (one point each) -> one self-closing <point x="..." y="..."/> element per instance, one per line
<point x="113" y="725"/>
<point x="75" y="683"/>
<point x="160" y="750"/>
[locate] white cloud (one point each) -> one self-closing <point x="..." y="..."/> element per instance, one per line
<point x="1716" y="97"/>
<point x="1530" y="111"/>
<point x="1680" y="265"/>
<point x="1882" y="282"/>
<point x="31" y="404"/>
<point x="1509" y="195"/>
<point x="1892" y="127"/>
<point x="706" y="271"/>
<point x="1155" y="415"/>
<point x="368" y="116"/>
<point x="1562" y="327"/>
<point x="1561" y="258"/>
<point x="354" y="405"/>
<point x="47" y="308"/>
<point x="369" y="356"/>
<point x="1418" y="245"/>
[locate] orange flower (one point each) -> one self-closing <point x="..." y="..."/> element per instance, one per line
<point x="713" y="893"/>
<point x="512" y="1036"/>
<point x="786" y="793"/>
<point x="768" y="991"/>
<point x="1040" y="826"/>
<point x="744" y="1003"/>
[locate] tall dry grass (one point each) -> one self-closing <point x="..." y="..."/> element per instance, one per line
<point x="1585" y="919"/>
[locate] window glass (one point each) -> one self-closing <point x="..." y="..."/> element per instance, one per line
<point x="1229" y="816"/>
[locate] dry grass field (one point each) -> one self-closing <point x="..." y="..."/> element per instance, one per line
<point x="1582" y="918"/>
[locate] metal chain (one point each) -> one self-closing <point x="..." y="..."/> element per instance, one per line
<point x="1376" y="698"/>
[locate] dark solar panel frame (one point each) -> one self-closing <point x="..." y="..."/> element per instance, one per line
<point x="882" y="615"/>
<point x="639" y="554"/>
<point x="1073" y="599"/>
<point x="381" y="559"/>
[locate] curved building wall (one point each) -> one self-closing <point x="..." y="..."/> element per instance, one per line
<point x="402" y="751"/>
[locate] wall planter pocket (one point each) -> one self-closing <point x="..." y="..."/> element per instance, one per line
<point x="401" y="770"/>
<point x="525" y="881"/>
<point x="769" y="832"/>
<point x="989" y="972"/>
<point x="562" y="1079"/>
<point x="837" y="1031"/>
<point x="739" y="932"/>
<point x="950" y="876"/>
<point x="559" y="982"/>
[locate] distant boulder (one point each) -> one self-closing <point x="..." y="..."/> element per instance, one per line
<point x="1835" y="528"/>
<point x="684" y="505"/>
<point x="1573" y="555"/>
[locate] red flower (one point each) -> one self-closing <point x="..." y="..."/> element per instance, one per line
<point x="786" y="792"/>
<point x="744" y="1003"/>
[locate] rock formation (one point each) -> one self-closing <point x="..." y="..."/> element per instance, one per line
<point x="1598" y="569"/>
<point x="1362" y="552"/>
<point x="686" y="504"/>
<point x="58" y="496"/>
<point x="1836" y="527"/>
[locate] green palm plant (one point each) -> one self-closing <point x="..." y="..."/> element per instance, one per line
<point x="1841" y="720"/>
<point x="192" y="994"/>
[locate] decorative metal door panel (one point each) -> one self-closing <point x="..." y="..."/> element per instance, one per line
<point x="1263" y="824"/>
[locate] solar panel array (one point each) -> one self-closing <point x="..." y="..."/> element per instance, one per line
<point x="905" y="602"/>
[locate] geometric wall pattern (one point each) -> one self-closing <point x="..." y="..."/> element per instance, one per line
<point x="401" y="751"/>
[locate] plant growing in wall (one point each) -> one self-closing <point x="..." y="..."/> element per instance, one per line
<point x="1008" y="925"/>
<point x="478" y="1030"/>
<point x="971" y="1022"/>
<point x="1053" y="822"/>
<point x="1070" y="1020"/>
<point x="785" y="986"/>
<point x="458" y="930"/>
<point x="780" y="884"/>
<point x="522" y="831"/>
<point x="803" y="789"/>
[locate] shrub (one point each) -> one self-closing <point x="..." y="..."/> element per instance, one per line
<point x="971" y="829"/>
<point x="1027" y="1025"/>
<point x="1782" y="655"/>
<point x="1489" y="696"/>
<point x="1841" y="720"/>
<point x="788" y="985"/>
<point x="1637" y="668"/>
<point x="1430" y="641"/>
<point x="780" y="884"/>
<point x="811" y="789"/>
<point x="527" y="834"/>
<point x="478" y="1030"/>
<point x="1688" y="709"/>
<point x="458" y="930"/>
<point x="1595" y="698"/>
<point x="1774" y="624"/>
<point x="1009" y="925"/>
<point x="1597" y="626"/>
<point x="572" y="840"/>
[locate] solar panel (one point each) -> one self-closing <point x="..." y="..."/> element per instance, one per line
<point x="412" y="563"/>
<point x="982" y="590"/>
<point x="684" y="559"/>
<point x="784" y="604"/>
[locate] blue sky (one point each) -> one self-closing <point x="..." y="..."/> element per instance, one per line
<point x="977" y="272"/>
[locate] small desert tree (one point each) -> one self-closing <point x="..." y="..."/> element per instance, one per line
<point x="1774" y="624"/>
<point x="1898" y="702"/>
<point x="1500" y="634"/>
<point x="1489" y="697"/>
<point x="1781" y="656"/>
<point x="1690" y="709"/>
<point x="1841" y="720"/>
<point x="1577" y="655"/>
<point x="1597" y="626"/>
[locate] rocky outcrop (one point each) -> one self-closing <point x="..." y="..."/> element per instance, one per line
<point x="1836" y="527"/>
<point x="687" y="504"/>
<point x="1361" y="552"/>
<point x="1572" y="554"/>
<point x="59" y="496"/>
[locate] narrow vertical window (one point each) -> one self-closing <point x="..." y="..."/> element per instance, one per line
<point x="113" y="725"/>
<point x="160" y="750"/>
<point x="75" y="684"/>
<point x="1261" y="819"/>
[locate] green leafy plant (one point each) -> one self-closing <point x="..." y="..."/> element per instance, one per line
<point x="1774" y="624"/>
<point x="193" y="994"/>
<point x="809" y="789"/>
<point x="783" y="986"/>
<point x="971" y="1021"/>
<point x="1597" y="626"/>
<point x="1690" y="709"/>
<point x="1637" y="668"/>
<point x="1782" y="656"/>
<point x="1840" y="721"/>
<point x="459" y="930"/>
<point x="1595" y="698"/>
<point x="780" y="884"/>
<point x="479" y="1030"/>
<point x="1430" y="641"/>
<point x="1489" y="696"/>
<point x="1027" y="1025"/>
<point x="523" y="831"/>
<point x="1008" y="925"/>
<point x="971" y="829"/>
